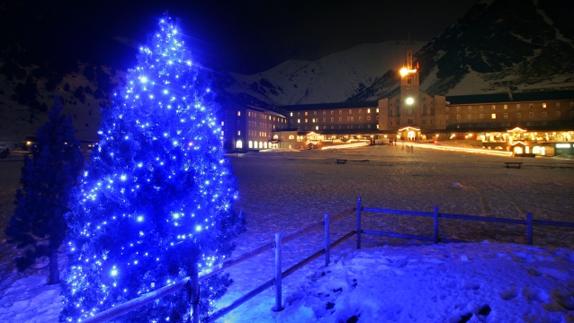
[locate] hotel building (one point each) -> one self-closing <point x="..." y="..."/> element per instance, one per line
<point x="408" y="113"/>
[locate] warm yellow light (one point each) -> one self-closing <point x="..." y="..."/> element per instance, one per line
<point x="404" y="71"/>
<point x="28" y="143"/>
<point x="410" y="100"/>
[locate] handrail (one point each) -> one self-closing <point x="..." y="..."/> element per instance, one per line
<point x="269" y="246"/>
<point x="145" y="299"/>
<point x="259" y="289"/>
<point x="466" y="217"/>
<point x="137" y="302"/>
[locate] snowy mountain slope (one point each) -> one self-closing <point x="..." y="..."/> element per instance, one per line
<point x="27" y="92"/>
<point x="521" y="45"/>
<point x="332" y="78"/>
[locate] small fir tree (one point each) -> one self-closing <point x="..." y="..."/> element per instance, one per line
<point x="48" y="176"/>
<point x="155" y="204"/>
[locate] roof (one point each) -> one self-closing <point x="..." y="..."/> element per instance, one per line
<point x="264" y="110"/>
<point x="510" y="97"/>
<point x="332" y="105"/>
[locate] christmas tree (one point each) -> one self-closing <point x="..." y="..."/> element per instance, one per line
<point x="48" y="176"/>
<point x="155" y="204"/>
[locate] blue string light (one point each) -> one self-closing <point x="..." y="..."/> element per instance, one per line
<point x="157" y="193"/>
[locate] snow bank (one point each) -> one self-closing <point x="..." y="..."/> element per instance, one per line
<point x="475" y="282"/>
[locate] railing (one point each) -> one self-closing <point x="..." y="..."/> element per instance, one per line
<point x="193" y="284"/>
<point x="528" y="221"/>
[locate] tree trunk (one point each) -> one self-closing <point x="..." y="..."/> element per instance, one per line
<point x="54" y="275"/>
<point x="194" y="275"/>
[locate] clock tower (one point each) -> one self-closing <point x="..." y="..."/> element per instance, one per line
<point x="409" y="93"/>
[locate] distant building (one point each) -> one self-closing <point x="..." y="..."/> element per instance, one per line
<point x="406" y="114"/>
<point x="250" y="128"/>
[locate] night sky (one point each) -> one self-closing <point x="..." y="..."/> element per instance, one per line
<point x="239" y="36"/>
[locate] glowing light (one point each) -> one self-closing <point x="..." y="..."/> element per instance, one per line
<point x="156" y="179"/>
<point x="409" y="100"/>
<point x="405" y="71"/>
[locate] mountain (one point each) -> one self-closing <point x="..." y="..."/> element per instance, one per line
<point x="502" y="45"/>
<point x="498" y="46"/>
<point x="27" y="92"/>
<point x="332" y="78"/>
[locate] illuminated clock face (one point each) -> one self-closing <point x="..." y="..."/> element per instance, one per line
<point x="410" y="100"/>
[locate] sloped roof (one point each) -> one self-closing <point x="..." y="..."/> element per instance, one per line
<point x="332" y="105"/>
<point x="510" y="97"/>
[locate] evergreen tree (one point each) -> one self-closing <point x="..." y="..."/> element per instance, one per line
<point x="48" y="176"/>
<point x="155" y="204"/>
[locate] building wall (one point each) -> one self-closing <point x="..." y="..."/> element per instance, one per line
<point x="250" y="128"/>
<point x="505" y="115"/>
<point x="361" y="118"/>
<point x="426" y="113"/>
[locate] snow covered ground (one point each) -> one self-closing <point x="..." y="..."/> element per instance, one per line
<point x="476" y="282"/>
<point x="287" y="191"/>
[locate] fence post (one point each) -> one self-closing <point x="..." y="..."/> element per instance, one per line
<point x="326" y="223"/>
<point x="359" y="230"/>
<point x="436" y="236"/>
<point x="278" y="293"/>
<point x="529" y="238"/>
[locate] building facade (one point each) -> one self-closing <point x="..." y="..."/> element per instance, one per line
<point x="251" y="128"/>
<point x="407" y="113"/>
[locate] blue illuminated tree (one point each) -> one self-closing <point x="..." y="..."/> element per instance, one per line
<point x="48" y="176"/>
<point x="155" y="204"/>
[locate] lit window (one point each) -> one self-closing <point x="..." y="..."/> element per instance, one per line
<point x="306" y="112"/>
<point x="377" y="110"/>
<point x="316" y="127"/>
<point x="306" y="120"/>
<point x="298" y="120"/>
<point x="290" y="114"/>
<point x="493" y="116"/>
<point x="291" y="137"/>
<point x="239" y="144"/>
<point x="239" y="132"/>
<point x="368" y="110"/>
<point x="239" y="113"/>
<point x="250" y="144"/>
<point x="506" y="107"/>
<point x="544" y="105"/>
<point x="260" y="145"/>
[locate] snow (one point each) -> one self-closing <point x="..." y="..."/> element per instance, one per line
<point x="286" y="191"/>
<point x="332" y="78"/>
<point x="474" y="282"/>
<point x="474" y="83"/>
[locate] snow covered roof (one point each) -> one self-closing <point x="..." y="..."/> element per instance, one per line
<point x="510" y="97"/>
<point x="332" y="105"/>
